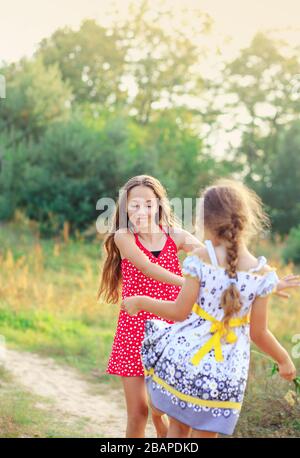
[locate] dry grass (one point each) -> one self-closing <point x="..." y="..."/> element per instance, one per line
<point x="48" y="303"/>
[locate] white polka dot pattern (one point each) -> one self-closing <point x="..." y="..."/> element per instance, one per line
<point x="125" y="357"/>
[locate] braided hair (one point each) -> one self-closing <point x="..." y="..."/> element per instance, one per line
<point x="232" y="212"/>
<point x="230" y="299"/>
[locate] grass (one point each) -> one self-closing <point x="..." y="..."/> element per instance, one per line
<point x="68" y="341"/>
<point x="48" y="305"/>
<point x="265" y="411"/>
<point x="48" y="299"/>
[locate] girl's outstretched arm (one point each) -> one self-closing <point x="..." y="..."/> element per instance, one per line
<point x="265" y="340"/>
<point x="170" y="310"/>
<point x="129" y="250"/>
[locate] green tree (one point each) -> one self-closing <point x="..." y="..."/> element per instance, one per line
<point x="89" y="59"/>
<point x="36" y="97"/>
<point x="12" y="163"/>
<point x="282" y="192"/>
<point x="261" y="81"/>
<point x="76" y="163"/>
<point x="69" y="170"/>
<point x="162" y="55"/>
<point x="144" y="63"/>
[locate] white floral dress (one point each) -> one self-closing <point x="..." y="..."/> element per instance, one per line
<point x="195" y="371"/>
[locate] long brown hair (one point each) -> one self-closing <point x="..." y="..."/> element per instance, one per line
<point x="111" y="277"/>
<point x="233" y="212"/>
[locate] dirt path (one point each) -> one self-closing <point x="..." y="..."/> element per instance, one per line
<point x="71" y="393"/>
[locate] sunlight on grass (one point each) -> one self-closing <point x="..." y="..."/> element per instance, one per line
<point x="48" y="304"/>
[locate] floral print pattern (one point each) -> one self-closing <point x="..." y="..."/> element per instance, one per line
<point x="208" y="395"/>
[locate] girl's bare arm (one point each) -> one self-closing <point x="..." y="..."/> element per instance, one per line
<point x="265" y="340"/>
<point x="170" y="310"/>
<point x="129" y="250"/>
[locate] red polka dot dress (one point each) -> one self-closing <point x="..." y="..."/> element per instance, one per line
<point x="125" y="358"/>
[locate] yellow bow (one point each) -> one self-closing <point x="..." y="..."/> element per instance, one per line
<point x="219" y="330"/>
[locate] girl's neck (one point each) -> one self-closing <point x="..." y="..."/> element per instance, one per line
<point x="245" y="258"/>
<point x="242" y="248"/>
<point x="150" y="234"/>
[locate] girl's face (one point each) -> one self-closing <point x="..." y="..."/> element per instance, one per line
<point x="142" y="207"/>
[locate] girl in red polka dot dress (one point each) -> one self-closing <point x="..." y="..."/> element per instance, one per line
<point x="142" y="258"/>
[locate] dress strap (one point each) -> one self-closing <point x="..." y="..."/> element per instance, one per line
<point x="137" y="240"/>
<point x="167" y="233"/>
<point x="135" y="236"/>
<point x="211" y="252"/>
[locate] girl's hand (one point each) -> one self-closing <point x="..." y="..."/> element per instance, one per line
<point x="287" y="370"/>
<point x="289" y="281"/>
<point x="131" y="305"/>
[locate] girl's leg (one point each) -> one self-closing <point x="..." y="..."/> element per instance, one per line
<point x="160" y="421"/>
<point x="204" y="434"/>
<point x="178" y="429"/>
<point x="137" y="405"/>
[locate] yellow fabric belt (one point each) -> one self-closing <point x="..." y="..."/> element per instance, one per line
<point x="192" y="399"/>
<point x="219" y="331"/>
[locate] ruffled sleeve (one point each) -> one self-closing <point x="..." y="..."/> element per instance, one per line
<point x="192" y="267"/>
<point x="268" y="284"/>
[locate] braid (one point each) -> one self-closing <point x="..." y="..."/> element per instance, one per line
<point x="231" y="300"/>
<point x="232" y="213"/>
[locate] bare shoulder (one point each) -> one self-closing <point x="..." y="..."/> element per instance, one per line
<point x="122" y="235"/>
<point x="266" y="269"/>
<point x="183" y="238"/>
<point x="175" y="233"/>
<point x="179" y="235"/>
<point x="253" y="262"/>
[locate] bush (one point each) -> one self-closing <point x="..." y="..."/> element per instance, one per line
<point x="292" y="249"/>
<point x="65" y="177"/>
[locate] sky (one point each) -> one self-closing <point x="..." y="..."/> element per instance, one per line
<point x="23" y="23"/>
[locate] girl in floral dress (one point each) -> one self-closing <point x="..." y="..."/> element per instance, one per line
<point x="196" y="369"/>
